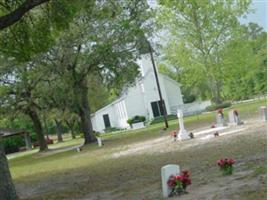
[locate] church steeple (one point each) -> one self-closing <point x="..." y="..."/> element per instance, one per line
<point x="145" y="64"/>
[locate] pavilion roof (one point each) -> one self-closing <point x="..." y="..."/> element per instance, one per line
<point x="7" y="132"/>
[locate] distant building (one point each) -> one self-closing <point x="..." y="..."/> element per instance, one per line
<point x="141" y="99"/>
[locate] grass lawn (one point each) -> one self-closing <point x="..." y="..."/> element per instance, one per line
<point x="105" y="173"/>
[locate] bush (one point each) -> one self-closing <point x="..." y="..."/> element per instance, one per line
<point x="13" y="144"/>
<point x="136" y="119"/>
<point x="161" y="119"/>
<point x="218" y="106"/>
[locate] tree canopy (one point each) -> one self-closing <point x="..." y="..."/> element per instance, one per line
<point x="199" y="31"/>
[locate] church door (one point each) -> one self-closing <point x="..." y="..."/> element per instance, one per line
<point x="106" y="120"/>
<point x="157" y="108"/>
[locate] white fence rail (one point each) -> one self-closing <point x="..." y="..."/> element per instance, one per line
<point x="191" y="108"/>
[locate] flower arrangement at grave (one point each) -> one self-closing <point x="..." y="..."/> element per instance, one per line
<point x="236" y="112"/>
<point x="174" y="133"/>
<point x="178" y="184"/>
<point x="220" y="111"/>
<point x="226" y="165"/>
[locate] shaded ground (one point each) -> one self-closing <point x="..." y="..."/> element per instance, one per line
<point x="129" y="168"/>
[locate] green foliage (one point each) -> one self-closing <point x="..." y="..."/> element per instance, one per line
<point x="136" y="119"/>
<point x="199" y="31"/>
<point x="218" y="106"/>
<point x="13" y="144"/>
<point x="243" y="60"/>
<point x="37" y="31"/>
<point x="66" y="52"/>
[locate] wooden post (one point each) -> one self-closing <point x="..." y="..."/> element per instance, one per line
<point x="158" y="85"/>
<point x="28" y="141"/>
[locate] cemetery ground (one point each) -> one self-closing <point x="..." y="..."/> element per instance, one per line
<point x="128" y="165"/>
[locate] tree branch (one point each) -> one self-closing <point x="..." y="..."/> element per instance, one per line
<point x="16" y="15"/>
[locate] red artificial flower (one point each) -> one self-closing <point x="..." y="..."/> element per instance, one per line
<point x="220" y="111"/>
<point x="185" y="173"/>
<point x="225" y="161"/>
<point x="171" y="182"/>
<point x="231" y="161"/>
<point x="174" y="133"/>
<point x="221" y="162"/>
<point x="178" y="178"/>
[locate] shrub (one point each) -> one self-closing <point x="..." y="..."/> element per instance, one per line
<point x="136" y="119"/>
<point x="218" y="106"/>
<point x="13" y="144"/>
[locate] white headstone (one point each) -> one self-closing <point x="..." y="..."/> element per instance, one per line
<point x="99" y="141"/>
<point x="220" y="120"/>
<point x="166" y="172"/>
<point x="183" y="134"/>
<point x="233" y="118"/>
<point x="264" y="113"/>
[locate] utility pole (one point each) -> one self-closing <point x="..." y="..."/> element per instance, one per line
<point x="159" y="90"/>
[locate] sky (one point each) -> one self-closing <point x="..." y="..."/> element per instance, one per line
<point x="259" y="15"/>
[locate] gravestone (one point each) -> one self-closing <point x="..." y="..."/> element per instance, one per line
<point x="220" y="120"/>
<point x="99" y="141"/>
<point x="234" y="118"/>
<point x="183" y="134"/>
<point x="263" y="113"/>
<point x="166" y="172"/>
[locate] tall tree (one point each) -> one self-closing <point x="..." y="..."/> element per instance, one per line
<point x="243" y="63"/>
<point x="199" y="30"/>
<point x="7" y="189"/>
<point x="31" y="35"/>
<point x="19" y="93"/>
<point x="104" y="43"/>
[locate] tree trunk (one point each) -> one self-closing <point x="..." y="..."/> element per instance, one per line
<point x="45" y="127"/>
<point x="70" y="125"/>
<point x="84" y="113"/>
<point x="217" y="93"/>
<point x="59" y="131"/>
<point x="38" y="129"/>
<point x="7" y="188"/>
<point x="72" y="133"/>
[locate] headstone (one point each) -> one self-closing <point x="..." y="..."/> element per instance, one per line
<point x="220" y="119"/>
<point x="183" y="134"/>
<point x="263" y="113"/>
<point x="166" y="172"/>
<point x="234" y="118"/>
<point x="99" y="141"/>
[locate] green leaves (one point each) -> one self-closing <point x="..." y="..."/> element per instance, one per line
<point x="199" y="32"/>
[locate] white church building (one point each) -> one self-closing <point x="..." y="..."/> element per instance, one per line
<point x="141" y="99"/>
